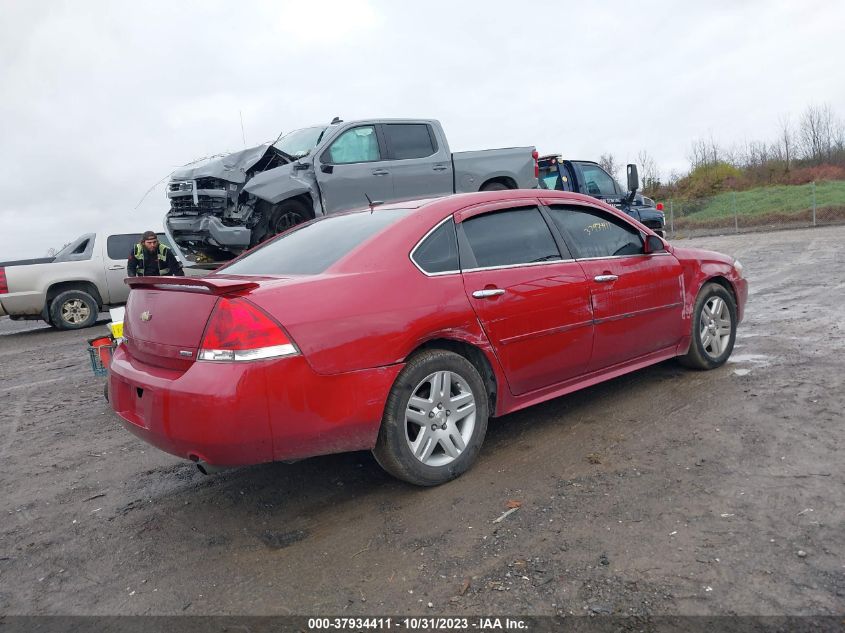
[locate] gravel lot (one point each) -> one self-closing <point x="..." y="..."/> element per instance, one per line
<point x="662" y="492"/>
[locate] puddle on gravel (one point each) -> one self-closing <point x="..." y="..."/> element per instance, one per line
<point x="759" y="360"/>
<point x="742" y="372"/>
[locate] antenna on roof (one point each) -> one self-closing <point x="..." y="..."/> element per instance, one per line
<point x="337" y="119"/>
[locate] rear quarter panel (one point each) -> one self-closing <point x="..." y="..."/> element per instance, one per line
<point x="28" y="284"/>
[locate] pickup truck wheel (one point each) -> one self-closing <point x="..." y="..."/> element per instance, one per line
<point x="287" y="215"/>
<point x="73" y="310"/>
<point x="434" y="421"/>
<point x="713" y="328"/>
<point x="494" y="186"/>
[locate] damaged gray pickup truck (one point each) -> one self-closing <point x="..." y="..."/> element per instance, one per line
<point x="225" y="205"/>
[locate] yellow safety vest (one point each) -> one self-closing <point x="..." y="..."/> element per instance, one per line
<point x="162" y="259"/>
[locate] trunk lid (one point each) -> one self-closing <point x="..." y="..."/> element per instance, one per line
<point x="166" y="317"/>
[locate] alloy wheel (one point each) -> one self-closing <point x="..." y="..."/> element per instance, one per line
<point x="440" y="418"/>
<point x="715" y="326"/>
<point x="75" y="311"/>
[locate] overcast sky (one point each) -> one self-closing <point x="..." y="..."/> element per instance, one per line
<point x="102" y="100"/>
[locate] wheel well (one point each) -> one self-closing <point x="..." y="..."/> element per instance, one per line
<point x="727" y="285"/>
<point x="510" y="183"/>
<point x="85" y="286"/>
<point x="474" y="355"/>
<point x="305" y="199"/>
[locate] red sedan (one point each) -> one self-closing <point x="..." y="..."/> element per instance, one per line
<point x="404" y="328"/>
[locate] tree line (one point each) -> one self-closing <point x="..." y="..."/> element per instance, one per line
<point x="808" y="149"/>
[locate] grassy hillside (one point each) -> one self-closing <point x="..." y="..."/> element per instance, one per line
<point x="779" y="202"/>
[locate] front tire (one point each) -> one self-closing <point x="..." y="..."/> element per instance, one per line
<point x="434" y="421"/>
<point x="73" y="310"/>
<point x="286" y="215"/>
<point x="713" y="328"/>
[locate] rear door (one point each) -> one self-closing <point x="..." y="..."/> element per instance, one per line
<point x="420" y="167"/>
<point x="353" y="167"/>
<point x="637" y="299"/>
<point x="117" y="250"/>
<point x="531" y="298"/>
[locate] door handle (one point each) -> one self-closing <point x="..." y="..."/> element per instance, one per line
<point x="440" y="168"/>
<point x="117" y="267"/>
<point x="380" y="172"/>
<point x="601" y="278"/>
<point x="490" y="292"/>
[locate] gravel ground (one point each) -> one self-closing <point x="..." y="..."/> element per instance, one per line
<point x="664" y="492"/>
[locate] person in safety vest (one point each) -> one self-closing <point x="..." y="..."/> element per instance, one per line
<point x="151" y="257"/>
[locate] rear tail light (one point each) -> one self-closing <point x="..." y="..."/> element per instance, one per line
<point x="240" y="331"/>
<point x="659" y="206"/>
<point x="4" y="286"/>
<point x="536" y="155"/>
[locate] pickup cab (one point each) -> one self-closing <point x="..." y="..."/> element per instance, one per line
<point x="70" y="289"/>
<point x="228" y="204"/>
<point x="589" y="178"/>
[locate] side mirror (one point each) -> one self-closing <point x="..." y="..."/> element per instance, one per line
<point x="326" y="169"/>
<point x="654" y="244"/>
<point x="633" y="178"/>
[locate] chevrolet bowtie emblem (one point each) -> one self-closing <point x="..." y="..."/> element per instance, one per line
<point x="146" y="316"/>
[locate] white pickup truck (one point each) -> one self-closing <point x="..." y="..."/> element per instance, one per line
<point x="69" y="290"/>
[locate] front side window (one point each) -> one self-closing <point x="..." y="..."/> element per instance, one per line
<point x="597" y="182"/>
<point x="594" y="233"/>
<point x="438" y="253"/>
<point x="513" y="236"/>
<point x="312" y="248"/>
<point x="358" y="145"/>
<point x="409" y="140"/>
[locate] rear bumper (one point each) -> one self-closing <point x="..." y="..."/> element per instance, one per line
<point x="235" y="414"/>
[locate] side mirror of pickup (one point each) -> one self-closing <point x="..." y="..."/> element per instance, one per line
<point x="633" y="178"/>
<point x="326" y="169"/>
<point x="654" y="244"/>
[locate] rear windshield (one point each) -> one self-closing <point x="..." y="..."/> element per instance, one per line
<point x="311" y="249"/>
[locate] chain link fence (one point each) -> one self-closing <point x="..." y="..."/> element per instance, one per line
<point x="762" y="209"/>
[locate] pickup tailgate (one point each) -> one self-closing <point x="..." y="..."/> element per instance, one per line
<point x="166" y="317"/>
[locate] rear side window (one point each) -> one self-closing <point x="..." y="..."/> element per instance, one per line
<point x="409" y="140"/>
<point x="593" y="233"/>
<point x="505" y="238"/>
<point x="438" y="253"/>
<point x="119" y="246"/>
<point x="312" y="248"/>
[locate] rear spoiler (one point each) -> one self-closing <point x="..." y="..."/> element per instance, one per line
<point x="191" y="284"/>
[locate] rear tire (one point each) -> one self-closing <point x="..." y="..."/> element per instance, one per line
<point x="73" y="310"/>
<point x="494" y="186"/>
<point x="713" y="328"/>
<point x="434" y="421"/>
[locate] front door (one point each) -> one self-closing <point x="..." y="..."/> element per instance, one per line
<point x="531" y="298"/>
<point x="352" y="168"/>
<point x="637" y="299"/>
